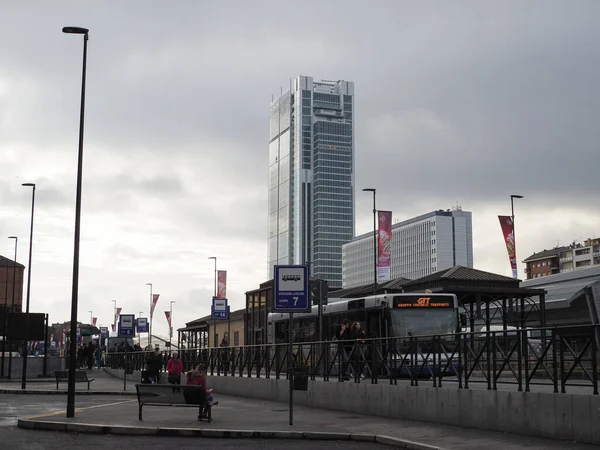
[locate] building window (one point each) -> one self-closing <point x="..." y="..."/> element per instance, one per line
<point x="236" y="338"/>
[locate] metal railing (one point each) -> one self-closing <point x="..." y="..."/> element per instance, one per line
<point x="561" y="358"/>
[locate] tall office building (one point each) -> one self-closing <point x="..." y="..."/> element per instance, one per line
<point x="420" y="246"/>
<point x="311" y="177"/>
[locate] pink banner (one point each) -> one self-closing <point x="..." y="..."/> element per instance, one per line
<point x="508" y="231"/>
<point x="113" y="327"/>
<point x="168" y="315"/>
<point x="154" y="302"/>
<point x="384" y="245"/>
<point x="222" y="284"/>
<point x="117" y="316"/>
<point x="94" y="320"/>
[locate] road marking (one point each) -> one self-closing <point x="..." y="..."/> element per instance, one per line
<point x="80" y="409"/>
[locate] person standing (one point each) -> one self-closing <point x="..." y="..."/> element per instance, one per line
<point x="345" y="346"/>
<point x="174" y="370"/>
<point x="90" y="355"/>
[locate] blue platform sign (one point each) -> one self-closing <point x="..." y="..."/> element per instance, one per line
<point x="126" y="325"/>
<point x="142" y="325"/>
<point x="219" y="309"/>
<point x="291" y="289"/>
<point x="103" y="332"/>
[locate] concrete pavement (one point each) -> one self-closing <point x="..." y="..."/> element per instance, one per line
<point x="241" y="417"/>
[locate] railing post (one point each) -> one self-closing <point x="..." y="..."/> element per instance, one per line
<point x="563" y="381"/>
<point x="594" y="361"/>
<point x="465" y="368"/>
<point x="526" y="356"/>
<point x="494" y="362"/>
<point x="520" y="359"/>
<point x="460" y="367"/>
<point x="554" y="360"/>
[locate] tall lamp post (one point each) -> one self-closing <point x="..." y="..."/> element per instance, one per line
<point x="75" y="291"/>
<point x="171" y="322"/>
<point x="114" y="321"/>
<point x="12" y="305"/>
<point x="150" y="318"/>
<point x="91" y="318"/>
<point x="215" y="258"/>
<point x="512" y="215"/>
<point x="24" y="374"/>
<point x="373" y="190"/>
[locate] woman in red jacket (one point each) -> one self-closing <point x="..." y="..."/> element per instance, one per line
<point x="198" y="378"/>
<point x="174" y="369"/>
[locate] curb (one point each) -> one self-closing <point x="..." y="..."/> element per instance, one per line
<point x="87" y="428"/>
<point x="62" y="392"/>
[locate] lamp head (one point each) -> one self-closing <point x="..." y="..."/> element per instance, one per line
<point x="212" y="257"/>
<point x="13" y="237"/>
<point x="28" y="184"/>
<point x="75" y="30"/>
<point x="516" y="196"/>
<point x="369" y="190"/>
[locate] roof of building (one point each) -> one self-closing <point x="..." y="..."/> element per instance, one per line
<point x="545" y="254"/>
<point x="4" y="262"/>
<point x="565" y="288"/>
<point x="462" y="273"/>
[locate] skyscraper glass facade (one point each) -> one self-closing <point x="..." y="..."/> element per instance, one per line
<point x="311" y="177"/>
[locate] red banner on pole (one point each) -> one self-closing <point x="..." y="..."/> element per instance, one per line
<point x="154" y="302"/>
<point x="508" y="231"/>
<point x="117" y="316"/>
<point x="94" y="320"/>
<point x="113" y="327"/>
<point x="168" y="315"/>
<point x="384" y="245"/>
<point x="222" y="284"/>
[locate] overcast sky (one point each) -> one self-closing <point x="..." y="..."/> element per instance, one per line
<point x="456" y="102"/>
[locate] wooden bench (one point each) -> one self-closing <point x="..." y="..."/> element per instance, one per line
<point x="80" y="377"/>
<point x="174" y="395"/>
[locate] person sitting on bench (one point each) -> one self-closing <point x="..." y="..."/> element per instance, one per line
<point x="198" y="378"/>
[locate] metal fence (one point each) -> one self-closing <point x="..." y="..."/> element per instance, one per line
<point x="558" y="359"/>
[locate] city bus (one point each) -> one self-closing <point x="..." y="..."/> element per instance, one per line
<point x="381" y="316"/>
<point x="392" y="323"/>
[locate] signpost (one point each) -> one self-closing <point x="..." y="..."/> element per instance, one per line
<point x="142" y="325"/>
<point x="126" y="325"/>
<point x="291" y="295"/>
<point x="219" y="309"/>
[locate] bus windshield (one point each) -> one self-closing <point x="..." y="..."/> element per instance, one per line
<point x="423" y="321"/>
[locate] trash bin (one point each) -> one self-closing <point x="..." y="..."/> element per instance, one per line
<point x="300" y="377"/>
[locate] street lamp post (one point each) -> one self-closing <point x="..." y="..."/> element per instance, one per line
<point x="373" y="190"/>
<point x="91" y="318"/>
<point x="5" y="318"/>
<point x="215" y="258"/>
<point x="24" y="374"/>
<point x="512" y="215"/>
<point x="12" y="306"/>
<point x="75" y="290"/>
<point x="150" y="318"/>
<point x="114" y="314"/>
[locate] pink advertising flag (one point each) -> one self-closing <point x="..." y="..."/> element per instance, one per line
<point x="168" y="315"/>
<point x="154" y="302"/>
<point x="508" y="231"/>
<point x="94" y="320"/>
<point x="222" y="284"/>
<point x="384" y="245"/>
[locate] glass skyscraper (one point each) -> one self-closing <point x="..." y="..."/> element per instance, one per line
<point x="311" y="177"/>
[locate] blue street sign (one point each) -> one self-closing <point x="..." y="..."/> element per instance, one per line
<point x="291" y="289"/>
<point x="219" y="309"/>
<point x="126" y="325"/>
<point x="103" y="332"/>
<point x="142" y="325"/>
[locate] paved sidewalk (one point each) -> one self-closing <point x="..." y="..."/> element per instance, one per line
<point x="237" y="414"/>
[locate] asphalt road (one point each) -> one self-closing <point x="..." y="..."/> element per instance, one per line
<point x="17" y="439"/>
